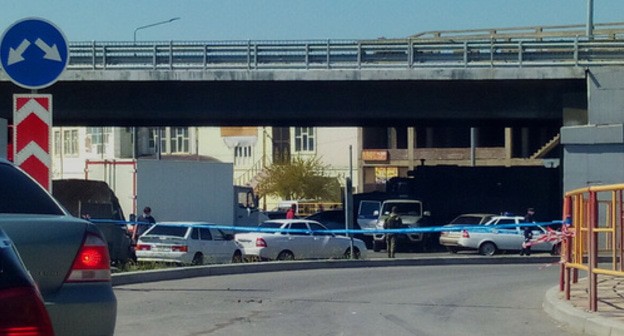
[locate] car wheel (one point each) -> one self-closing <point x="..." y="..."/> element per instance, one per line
<point x="487" y="249"/>
<point x="376" y="247"/>
<point x="556" y="250"/>
<point x="451" y="249"/>
<point x="237" y="257"/>
<point x="285" y="255"/>
<point x="198" y="259"/>
<point x="356" y="253"/>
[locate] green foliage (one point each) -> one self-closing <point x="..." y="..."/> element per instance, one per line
<point x="300" y="179"/>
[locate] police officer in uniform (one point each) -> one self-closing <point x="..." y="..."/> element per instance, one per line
<point x="392" y="222"/>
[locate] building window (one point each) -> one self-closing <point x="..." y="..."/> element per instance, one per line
<point x="99" y="138"/>
<point x="70" y="142"/>
<point x="304" y="139"/>
<point x="57" y="143"/>
<point x="242" y="155"/>
<point x="179" y="140"/>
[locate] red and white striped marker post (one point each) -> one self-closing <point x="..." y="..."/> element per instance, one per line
<point x="32" y="124"/>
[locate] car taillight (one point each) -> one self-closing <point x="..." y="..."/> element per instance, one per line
<point x="143" y="247"/>
<point x="260" y="242"/>
<point x="179" y="248"/>
<point x="465" y="234"/>
<point x="92" y="263"/>
<point x="22" y="313"/>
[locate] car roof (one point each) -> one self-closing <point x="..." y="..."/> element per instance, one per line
<point x="184" y="223"/>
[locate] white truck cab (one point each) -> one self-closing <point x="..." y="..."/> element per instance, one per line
<point x="411" y="213"/>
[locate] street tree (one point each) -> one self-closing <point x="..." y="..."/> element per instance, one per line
<point x="300" y="179"/>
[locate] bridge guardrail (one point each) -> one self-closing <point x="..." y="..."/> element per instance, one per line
<point x="343" y="54"/>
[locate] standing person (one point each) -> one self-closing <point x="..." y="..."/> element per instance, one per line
<point x="144" y="222"/>
<point x="392" y="222"/>
<point x="290" y="214"/>
<point x="527" y="232"/>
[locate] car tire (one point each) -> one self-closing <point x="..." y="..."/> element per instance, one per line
<point x="285" y="255"/>
<point x="198" y="259"/>
<point x="356" y="253"/>
<point x="451" y="249"/>
<point x="376" y="247"/>
<point x="556" y="250"/>
<point x="237" y="258"/>
<point x="488" y="249"/>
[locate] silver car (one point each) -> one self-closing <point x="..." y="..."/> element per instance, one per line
<point x="449" y="239"/>
<point x="67" y="257"/>
<point x="503" y="233"/>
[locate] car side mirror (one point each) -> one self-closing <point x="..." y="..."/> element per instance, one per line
<point x="376" y="213"/>
<point x="427" y="213"/>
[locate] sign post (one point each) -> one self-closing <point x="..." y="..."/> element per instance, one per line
<point x="33" y="54"/>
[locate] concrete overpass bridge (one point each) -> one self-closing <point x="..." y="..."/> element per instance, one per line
<point x="537" y="76"/>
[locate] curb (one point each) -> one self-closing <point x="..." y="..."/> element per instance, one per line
<point x="578" y="320"/>
<point x="128" y="278"/>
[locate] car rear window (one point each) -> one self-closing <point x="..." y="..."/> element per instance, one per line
<point x="21" y="195"/>
<point x="270" y="225"/>
<point x="165" y="230"/>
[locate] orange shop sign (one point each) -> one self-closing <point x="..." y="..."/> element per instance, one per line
<point x="374" y="155"/>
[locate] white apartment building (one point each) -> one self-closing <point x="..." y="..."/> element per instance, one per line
<point x="248" y="148"/>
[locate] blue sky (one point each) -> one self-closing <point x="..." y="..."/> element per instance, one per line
<point x="116" y="20"/>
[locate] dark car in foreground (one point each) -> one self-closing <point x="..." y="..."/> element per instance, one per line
<point x="22" y="311"/>
<point x="334" y="219"/>
<point x="66" y="256"/>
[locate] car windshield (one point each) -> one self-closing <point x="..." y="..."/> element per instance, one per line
<point x="410" y="209"/>
<point x="20" y="195"/>
<point x="167" y="230"/>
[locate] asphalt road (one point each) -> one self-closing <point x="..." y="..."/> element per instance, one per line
<point x="422" y="300"/>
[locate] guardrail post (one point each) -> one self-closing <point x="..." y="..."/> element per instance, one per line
<point x="520" y="54"/>
<point x="465" y="54"/>
<point x="410" y="53"/>
<point x="256" y="55"/>
<point x="170" y="55"/>
<point x="491" y="52"/>
<point x="155" y="56"/>
<point x="328" y="53"/>
<point x="307" y="56"/>
<point x="248" y="55"/>
<point x="104" y="57"/>
<point x="593" y="252"/>
<point x="576" y="51"/>
<point x="359" y="55"/>
<point x="93" y="54"/>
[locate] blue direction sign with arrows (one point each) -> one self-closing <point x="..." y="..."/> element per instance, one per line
<point x="33" y="53"/>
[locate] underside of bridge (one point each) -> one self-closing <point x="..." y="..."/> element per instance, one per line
<point x="308" y="103"/>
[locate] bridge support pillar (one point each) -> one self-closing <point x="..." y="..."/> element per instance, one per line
<point x="593" y="138"/>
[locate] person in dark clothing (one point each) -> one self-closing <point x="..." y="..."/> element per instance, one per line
<point x="527" y="232"/>
<point x="392" y="222"/>
<point x="144" y="222"/>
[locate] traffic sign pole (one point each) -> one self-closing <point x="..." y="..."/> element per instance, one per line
<point x="33" y="54"/>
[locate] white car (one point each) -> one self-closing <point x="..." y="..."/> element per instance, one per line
<point x="195" y="243"/>
<point x="449" y="239"/>
<point x="491" y="238"/>
<point x="289" y="239"/>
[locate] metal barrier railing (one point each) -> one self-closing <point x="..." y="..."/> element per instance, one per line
<point x="594" y="242"/>
<point x="344" y="54"/>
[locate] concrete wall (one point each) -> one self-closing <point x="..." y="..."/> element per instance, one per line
<point x="594" y="152"/>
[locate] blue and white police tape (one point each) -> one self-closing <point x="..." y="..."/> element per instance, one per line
<point x="499" y="228"/>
